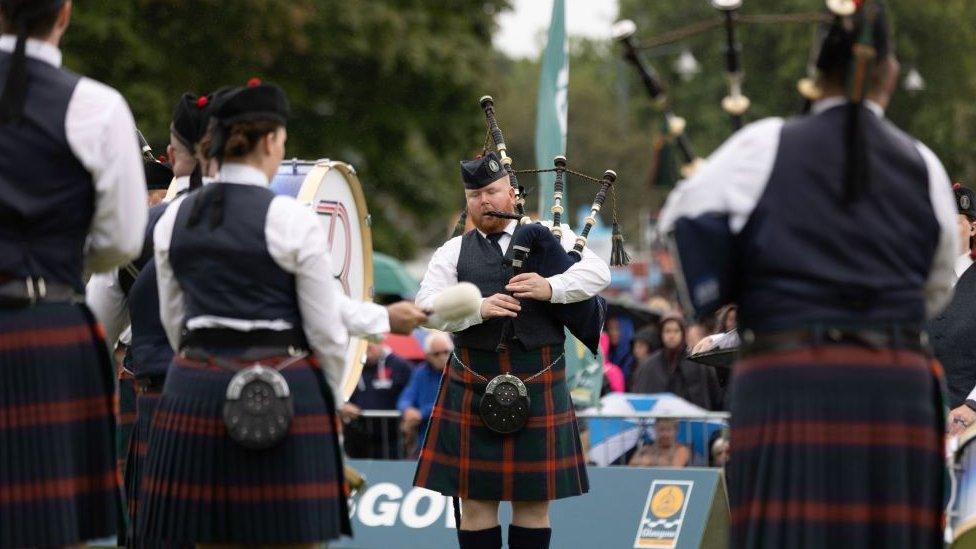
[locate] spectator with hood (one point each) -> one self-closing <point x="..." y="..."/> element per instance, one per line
<point x="670" y="371"/>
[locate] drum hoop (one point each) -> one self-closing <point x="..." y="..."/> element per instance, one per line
<point x="306" y="194"/>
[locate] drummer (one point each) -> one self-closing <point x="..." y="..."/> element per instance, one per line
<point x="244" y="276"/>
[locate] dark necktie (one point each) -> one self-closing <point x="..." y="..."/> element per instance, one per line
<point x="494" y="238"/>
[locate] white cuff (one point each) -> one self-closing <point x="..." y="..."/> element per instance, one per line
<point x="558" y="289"/>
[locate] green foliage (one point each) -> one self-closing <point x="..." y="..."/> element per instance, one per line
<point x="390" y="86"/>
<point x="613" y="125"/>
<point x="935" y="37"/>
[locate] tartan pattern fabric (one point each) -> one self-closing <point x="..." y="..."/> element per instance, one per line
<point x="199" y="486"/>
<point x="59" y="482"/>
<point x="125" y="419"/>
<point x="146" y="403"/>
<point x="462" y="457"/>
<point x="837" y="447"/>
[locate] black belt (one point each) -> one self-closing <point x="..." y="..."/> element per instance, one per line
<point x="226" y="337"/>
<point x="27" y="292"/>
<point x="897" y="337"/>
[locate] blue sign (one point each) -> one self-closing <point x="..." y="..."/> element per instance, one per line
<point x="626" y="507"/>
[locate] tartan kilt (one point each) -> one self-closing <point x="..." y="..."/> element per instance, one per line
<point x="462" y="457"/>
<point x="146" y="403"/>
<point x="126" y="418"/>
<point x="837" y="447"/>
<point x="59" y="482"/>
<point x="199" y="486"/>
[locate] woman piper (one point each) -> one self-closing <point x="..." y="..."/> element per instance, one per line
<point x="243" y="447"/>
<point x="72" y="201"/>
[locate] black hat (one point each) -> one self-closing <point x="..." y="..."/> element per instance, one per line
<point x="837" y="49"/>
<point x="20" y="14"/>
<point x="482" y="171"/>
<point x="965" y="201"/>
<point x="863" y="26"/>
<point x="190" y="119"/>
<point x="254" y="102"/>
<point x="158" y="175"/>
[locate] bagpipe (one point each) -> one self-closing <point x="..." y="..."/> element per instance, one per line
<point x="539" y="249"/>
<point x="623" y="32"/>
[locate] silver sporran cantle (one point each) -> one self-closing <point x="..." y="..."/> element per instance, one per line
<point x="258" y="407"/>
<point x="505" y="405"/>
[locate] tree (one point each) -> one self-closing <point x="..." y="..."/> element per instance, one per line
<point x="390" y="86"/>
<point x="935" y="37"/>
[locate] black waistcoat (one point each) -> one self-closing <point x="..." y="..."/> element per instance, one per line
<point x="47" y="198"/>
<point x="805" y="257"/>
<point x="151" y="352"/>
<point x="225" y="269"/>
<point x="480" y="264"/>
<point x="953" y="340"/>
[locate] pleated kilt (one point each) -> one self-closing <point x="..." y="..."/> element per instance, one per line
<point x="199" y="486"/>
<point x="59" y="482"/>
<point x="837" y="447"/>
<point x="462" y="457"/>
<point x="146" y="403"/>
<point x="126" y="417"/>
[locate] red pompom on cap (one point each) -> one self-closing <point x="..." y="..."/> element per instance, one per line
<point x="202" y="101"/>
<point x="162" y="158"/>
<point x="254" y="82"/>
<point x="956" y="186"/>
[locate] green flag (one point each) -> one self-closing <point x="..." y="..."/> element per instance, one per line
<point x="553" y="105"/>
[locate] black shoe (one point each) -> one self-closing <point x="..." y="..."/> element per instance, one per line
<point x="528" y="538"/>
<point x="490" y="538"/>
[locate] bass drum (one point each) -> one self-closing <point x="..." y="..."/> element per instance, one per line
<point x="332" y="190"/>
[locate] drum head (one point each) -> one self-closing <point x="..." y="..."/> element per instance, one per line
<point x="333" y="192"/>
<point x="291" y="175"/>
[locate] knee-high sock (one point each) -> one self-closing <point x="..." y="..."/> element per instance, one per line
<point x="490" y="538"/>
<point x="528" y="538"/>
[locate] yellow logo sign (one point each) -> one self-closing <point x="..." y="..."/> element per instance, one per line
<point x="664" y="513"/>
<point x="667" y="501"/>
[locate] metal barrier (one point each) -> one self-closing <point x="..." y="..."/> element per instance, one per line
<point x="608" y="439"/>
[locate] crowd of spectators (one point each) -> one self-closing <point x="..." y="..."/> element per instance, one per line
<point x="644" y="359"/>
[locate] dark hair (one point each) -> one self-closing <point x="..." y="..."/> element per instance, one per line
<point x="243" y="137"/>
<point x="40" y="26"/>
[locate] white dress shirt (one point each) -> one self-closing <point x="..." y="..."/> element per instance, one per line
<point x="581" y="281"/>
<point x="364" y="318"/>
<point x="104" y="294"/>
<point x="102" y="135"/>
<point x="734" y="179"/>
<point x="107" y="301"/>
<point x="962" y="264"/>
<point x="297" y="243"/>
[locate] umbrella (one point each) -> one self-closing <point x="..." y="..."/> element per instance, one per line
<point x="391" y="278"/>
<point x="611" y="438"/>
<point x="642" y="315"/>
<point x="404" y="346"/>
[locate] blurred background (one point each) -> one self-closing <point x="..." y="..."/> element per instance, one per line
<point x="392" y="87"/>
